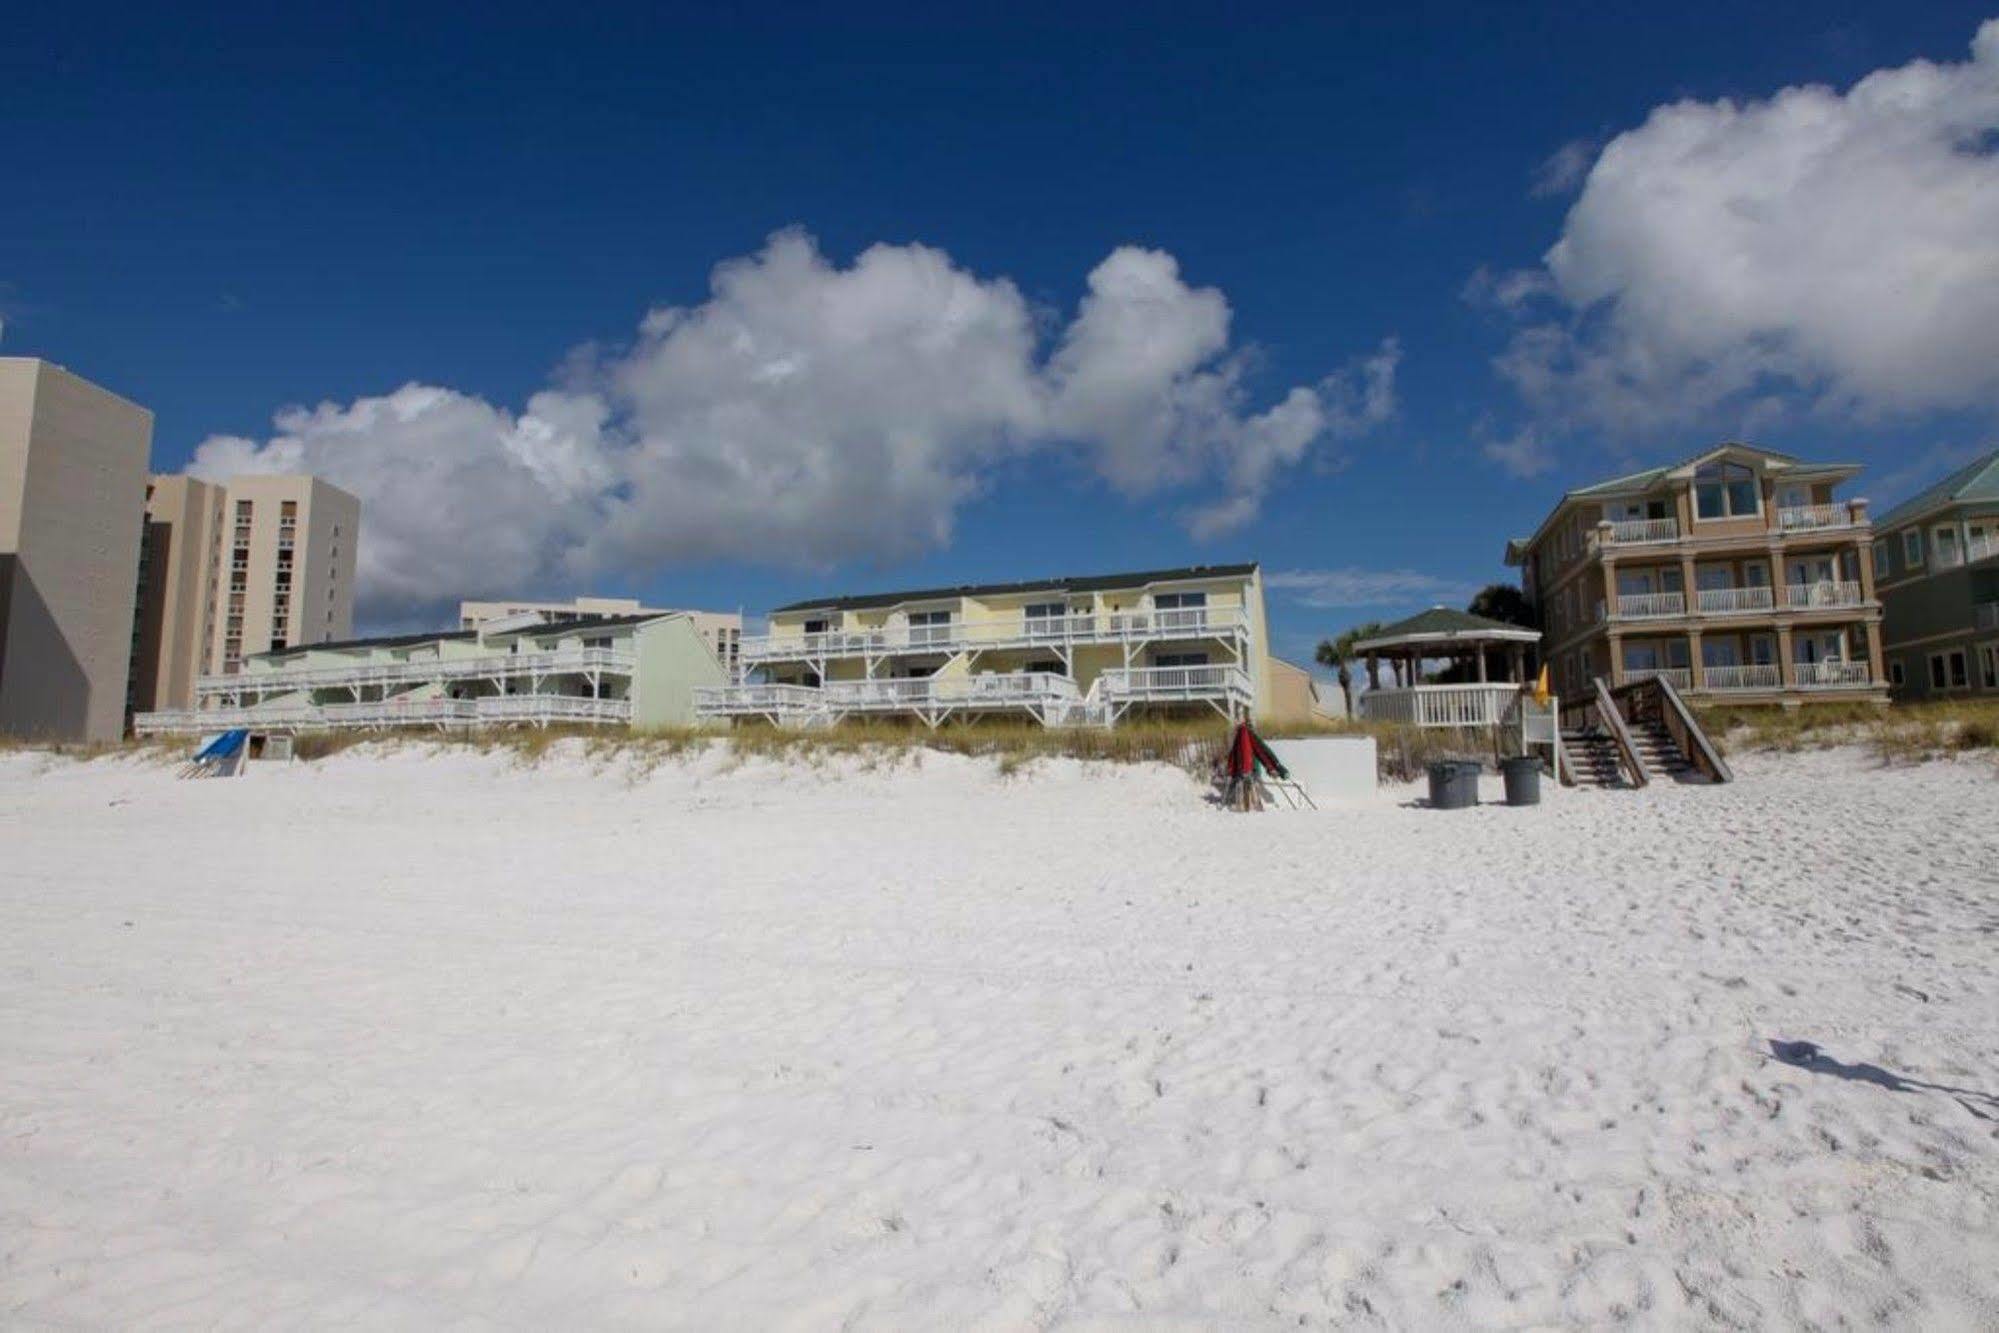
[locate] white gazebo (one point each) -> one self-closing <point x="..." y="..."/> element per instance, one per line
<point x="1455" y="635"/>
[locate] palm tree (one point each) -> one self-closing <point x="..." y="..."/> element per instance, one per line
<point x="1338" y="652"/>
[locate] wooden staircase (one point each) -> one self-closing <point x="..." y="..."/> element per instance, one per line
<point x="1590" y="758"/>
<point x="1660" y="754"/>
<point x="1638" y="732"/>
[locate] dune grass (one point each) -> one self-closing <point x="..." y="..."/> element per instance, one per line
<point x="1191" y="744"/>
<point x="1898" y="733"/>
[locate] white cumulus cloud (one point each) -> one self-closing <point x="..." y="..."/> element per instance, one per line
<point x="808" y="413"/>
<point x="1818" y="248"/>
<point x="1330" y="589"/>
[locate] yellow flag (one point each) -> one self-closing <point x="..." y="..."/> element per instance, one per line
<point x="1541" y="690"/>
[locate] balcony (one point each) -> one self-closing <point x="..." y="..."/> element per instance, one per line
<point x="1640" y="606"/>
<point x="1734" y="601"/>
<point x="1052" y="699"/>
<point x="538" y="709"/>
<point x="1986" y="615"/>
<point x="1178" y="684"/>
<point x="493" y="666"/>
<point x="1025" y="632"/>
<point x="1681" y="678"/>
<point x="1638" y="531"/>
<point x="1821" y="596"/>
<point x="1767" y="676"/>
<point x="1738" y="601"/>
<point x="1829" y="675"/>
<point x="1809" y="518"/>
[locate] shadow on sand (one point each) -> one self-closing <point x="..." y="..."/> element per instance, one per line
<point x="1807" y="1055"/>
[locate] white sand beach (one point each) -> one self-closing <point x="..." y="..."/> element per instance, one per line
<point x="416" y="1039"/>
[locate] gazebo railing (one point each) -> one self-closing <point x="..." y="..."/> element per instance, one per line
<point x="1440" y="705"/>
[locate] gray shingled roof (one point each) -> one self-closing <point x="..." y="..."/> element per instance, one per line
<point x="1067" y="584"/>
<point x="1440" y="624"/>
<point x="1976" y="481"/>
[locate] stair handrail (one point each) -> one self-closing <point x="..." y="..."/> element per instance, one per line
<point x="1691" y="737"/>
<point x="1613" y="722"/>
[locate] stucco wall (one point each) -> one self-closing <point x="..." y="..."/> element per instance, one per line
<point x="72" y="508"/>
<point x="673" y="658"/>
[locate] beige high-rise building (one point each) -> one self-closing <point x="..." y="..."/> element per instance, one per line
<point x="180" y="587"/>
<point x="286" y="575"/>
<point x="72" y="485"/>
<point x="230" y="568"/>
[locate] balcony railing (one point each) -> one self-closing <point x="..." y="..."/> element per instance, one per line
<point x="1820" y="675"/>
<point x="536" y="708"/>
<point x="1640" y="605"/>
<point x="1631" y="531"/>
<point x="1734" y="601"/>
<point x="1763" y="677"/>
<point x="1680" y="677"/>
<point x="1980" y="548"/>
<point x="1440" y="705"/>
<point x="1169" y="684"/>
<point x="1817" y="596"/>
<point x="1804" y="518"/>
<point x="488" y="666"/>
<point x="1025" y="632"/>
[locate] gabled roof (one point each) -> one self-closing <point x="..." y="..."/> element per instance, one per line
<point x="379" y="641"/>
<point x="1441" y="625"/>
<point x="1636" y="483"/>
<point x="1063" y="585"/>
<point x="558" y="629"/>
<point x="1978" y="480"/>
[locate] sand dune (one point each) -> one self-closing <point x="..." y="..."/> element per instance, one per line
<point x="404" y="1039"/>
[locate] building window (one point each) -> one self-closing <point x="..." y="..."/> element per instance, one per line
<point x="1726" y="490"/>
<point x="1943" y="545"/>
<point x="1988" y="666"/>
<point x="1896" y="676"/>
<point x="1912" y="548"/>
<point x="1880" y="560"/>
<point x="1180" y="659"/>
<point x="1948" y="671"/>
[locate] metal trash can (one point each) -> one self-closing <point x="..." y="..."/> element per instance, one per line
<point x="1523" y="779"/>
<point x="1453" y="784"/>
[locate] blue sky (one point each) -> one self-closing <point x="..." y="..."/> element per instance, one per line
<point x="220" y="216"/>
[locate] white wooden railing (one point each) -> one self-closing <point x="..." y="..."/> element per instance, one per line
<point x="1987" y="615"/>
<point x="1170" y="684"/>
<point x="756" y="700"/>
<point x="1020" y="632"/>
<point x="1440" y="705"/>
<point x="1805" y="596"/>
<point x="486" y="666"/>
<point x="1803" y="518"/>
<point x="537" y="708"/>
<point x="1734" y="601"/>
<point x="1980" y="548"/>
<point x="1833" y="673"/>
<point x="1643" y="604"/>
<point x="1762" y="677"/>
<point x="1681" y="677"/>
<point x="1627" y="531"/>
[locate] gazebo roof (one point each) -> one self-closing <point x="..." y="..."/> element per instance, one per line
<point x="1441" y="627"/>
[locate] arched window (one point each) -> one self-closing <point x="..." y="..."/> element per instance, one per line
<point x="1726" y="490"/>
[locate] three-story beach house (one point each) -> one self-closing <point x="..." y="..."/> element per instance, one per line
<point x="1062" y="651"/>
<point x="1936" y="562"/>
<point x="1740" y="575"/>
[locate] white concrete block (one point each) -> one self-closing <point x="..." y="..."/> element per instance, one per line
<point x="1330" y="768"/>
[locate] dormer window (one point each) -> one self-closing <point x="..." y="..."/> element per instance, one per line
<point x="1726" y="490"/>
